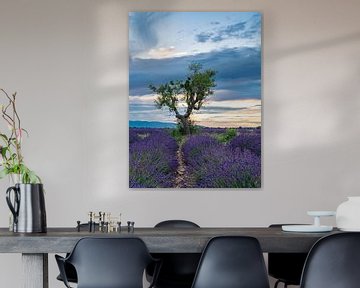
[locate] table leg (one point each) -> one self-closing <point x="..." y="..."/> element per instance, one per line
<point x="35" y="270"/>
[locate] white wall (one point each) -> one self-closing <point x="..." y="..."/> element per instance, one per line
<point x="68" y="62"/>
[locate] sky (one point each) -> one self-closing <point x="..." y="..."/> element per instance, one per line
<point x="163" y="44"/>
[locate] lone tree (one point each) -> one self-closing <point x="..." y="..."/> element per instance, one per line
<point x="193" y="92"/>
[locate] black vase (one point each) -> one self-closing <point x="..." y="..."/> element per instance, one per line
<point x="28" y="208"/>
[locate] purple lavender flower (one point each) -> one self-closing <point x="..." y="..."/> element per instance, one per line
<point x="152" y="158"/>
<point x="217" y="165"/>
<point x="248" y="140"/>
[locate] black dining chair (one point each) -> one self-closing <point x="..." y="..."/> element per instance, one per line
<point x="333" y="262"/>
<point x="286" y="267"/>
<point x="178" y="269"/>
<point x="70" y="271"/>
<point x="232" y="262"/>
<point x="108" y="263"/>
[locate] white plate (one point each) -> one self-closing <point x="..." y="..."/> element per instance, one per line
<point x="306" y="228"/>
<point x="321" y="213"/>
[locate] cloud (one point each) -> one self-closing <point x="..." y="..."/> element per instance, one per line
<point x="203" y="37"/>
<point x="243" y="90"/>
<point x="144" y="72"/>
<point x="161" y="53"/>
<point x="229" y="31"/>
<point x="220" y="34"/>
<point x="144" y="112"/>
<point x="238" y="72"/>
<point x="254" y="29"/>
<point x="233" y="30"/>
<point x="218" y="110"/>
<point x="245" y="113"/>
<point x="147" y="99"/>
<point x="143" y="30"/>
<point x="245" y="29"/>
<point x="217" y="38"/>
<point x="234" y="104"/>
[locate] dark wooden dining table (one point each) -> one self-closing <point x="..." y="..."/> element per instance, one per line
<point x="35" y="247"/>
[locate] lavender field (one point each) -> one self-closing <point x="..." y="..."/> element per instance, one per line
<point x="210" y="158"/>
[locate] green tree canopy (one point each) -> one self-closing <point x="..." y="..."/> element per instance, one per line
<point x="193" y="92"/>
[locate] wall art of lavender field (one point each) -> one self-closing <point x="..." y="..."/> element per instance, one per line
<point x="195" y="99"/>
<point x="209" y="158"/>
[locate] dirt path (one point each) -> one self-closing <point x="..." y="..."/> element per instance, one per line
<point x="182" y="180"/>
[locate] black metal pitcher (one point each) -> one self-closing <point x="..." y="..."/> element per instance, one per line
<point x="28" y="208"/>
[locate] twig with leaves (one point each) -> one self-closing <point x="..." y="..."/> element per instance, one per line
<point x="12" y="160"/>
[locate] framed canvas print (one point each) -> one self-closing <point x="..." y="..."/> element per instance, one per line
<point x="195" y="99"/>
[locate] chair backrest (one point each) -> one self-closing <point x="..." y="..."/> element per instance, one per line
<point x="333" y="262"/>
<point x="286" y="267"/>
<point x="178" y="269"/>
<point x="176" y="224"/>
<point x="232" y="262"/>
<point x="110" y="262"/>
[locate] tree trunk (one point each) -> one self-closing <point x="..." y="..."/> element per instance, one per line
<point x="185" y="124"/>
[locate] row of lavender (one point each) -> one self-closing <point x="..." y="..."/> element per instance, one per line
<point x="209" y="163"/>
<point x="236" y="164"/>
<point x="152" y="158"/>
